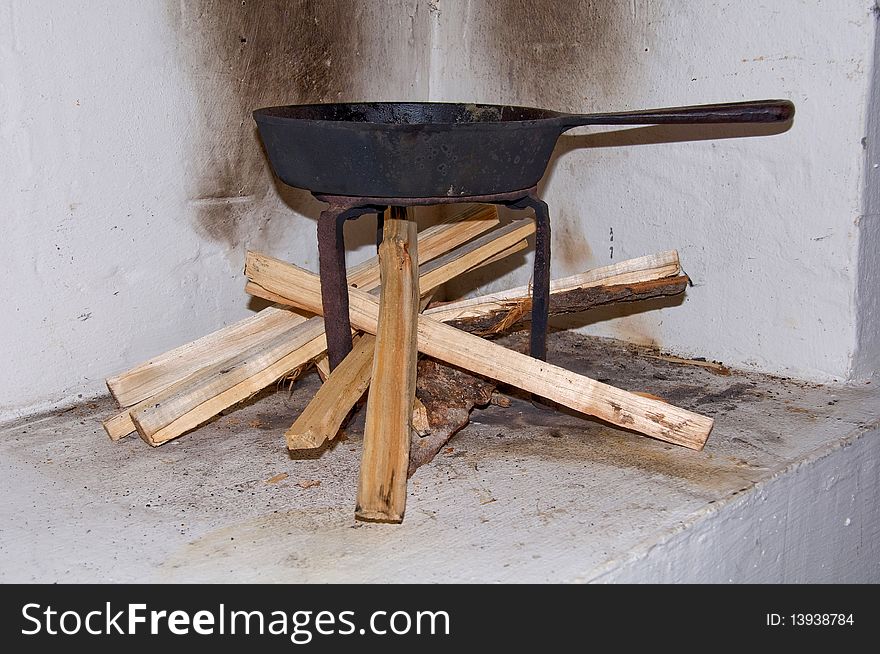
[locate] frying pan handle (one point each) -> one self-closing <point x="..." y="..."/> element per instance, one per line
<point x="761" y="111"/>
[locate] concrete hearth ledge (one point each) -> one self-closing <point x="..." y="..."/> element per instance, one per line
<point x="786" y="490"/>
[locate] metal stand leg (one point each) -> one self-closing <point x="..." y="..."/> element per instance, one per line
<point x="541" y="275"/>
<point x="334" y="281"/>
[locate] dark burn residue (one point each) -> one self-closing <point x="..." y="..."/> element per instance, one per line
<point x="242" y="55"/>
<point x="560" y="54"/>
<point x="565" y="55"/>
<point x="570" y="245"/>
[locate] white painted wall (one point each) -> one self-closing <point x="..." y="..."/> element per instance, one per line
<point x="767" y="228"/>
<point x="106" y="115"/>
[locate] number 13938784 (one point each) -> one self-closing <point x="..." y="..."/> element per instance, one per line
<point x="810" y="620"/>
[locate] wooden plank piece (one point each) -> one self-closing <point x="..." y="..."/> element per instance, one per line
<point x="291" y="360"/>
<point x="156" y="419"/>
<point x="578" y="392"/>
<point x="637" y="279"/>
<point x="471" y="255"/>
<point x="385" y="458"/>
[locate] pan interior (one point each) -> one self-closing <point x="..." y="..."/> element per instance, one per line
<point x="408" y="113"/>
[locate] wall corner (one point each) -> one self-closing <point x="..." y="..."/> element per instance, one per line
<point x="866" y="361"/>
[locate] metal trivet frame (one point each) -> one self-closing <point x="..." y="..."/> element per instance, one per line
<point x="334" y="280"/>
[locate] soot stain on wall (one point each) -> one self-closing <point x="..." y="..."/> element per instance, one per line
<point x="244" y="54"/>
<point x="561" y="54"/>
<point x="568" y="55"/>
<point x="570" y="246"/>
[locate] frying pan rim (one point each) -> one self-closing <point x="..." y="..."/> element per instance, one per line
<point x="261" y="115"/>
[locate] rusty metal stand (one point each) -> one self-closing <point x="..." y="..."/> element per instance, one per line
<point x="334" y="281"/>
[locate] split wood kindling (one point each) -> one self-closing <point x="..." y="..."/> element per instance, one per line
<point x="179" y="390"/>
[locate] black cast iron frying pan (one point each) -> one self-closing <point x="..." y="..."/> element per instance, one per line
<point x="433" y="149"/>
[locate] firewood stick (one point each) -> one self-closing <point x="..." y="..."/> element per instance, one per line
<point x="160" y="418"/>
<point x="576" y="300"/>
<point x="477" y="355"/>
<point x="640" y="269"/>
<point x="195" y="399"/>
<point x="519" y="247"/>
<point x="385" y="458"/>
<point x="155" y="375"/>
<point x="323" y="416"/>
<point x="158" y="375"/>
<point x="489" y="316"/>
<point x="469" y="256"/>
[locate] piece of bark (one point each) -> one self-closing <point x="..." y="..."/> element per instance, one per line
<point x="448" y="395"/>
<point x="578" y="392"/>
<point x="251" y="335"/>
<point x="385" y="458"/>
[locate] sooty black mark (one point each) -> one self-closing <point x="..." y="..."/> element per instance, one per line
<point x="570" y="244"/>
<point x="561" y="54"/>
<point x="242" y="55"/>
